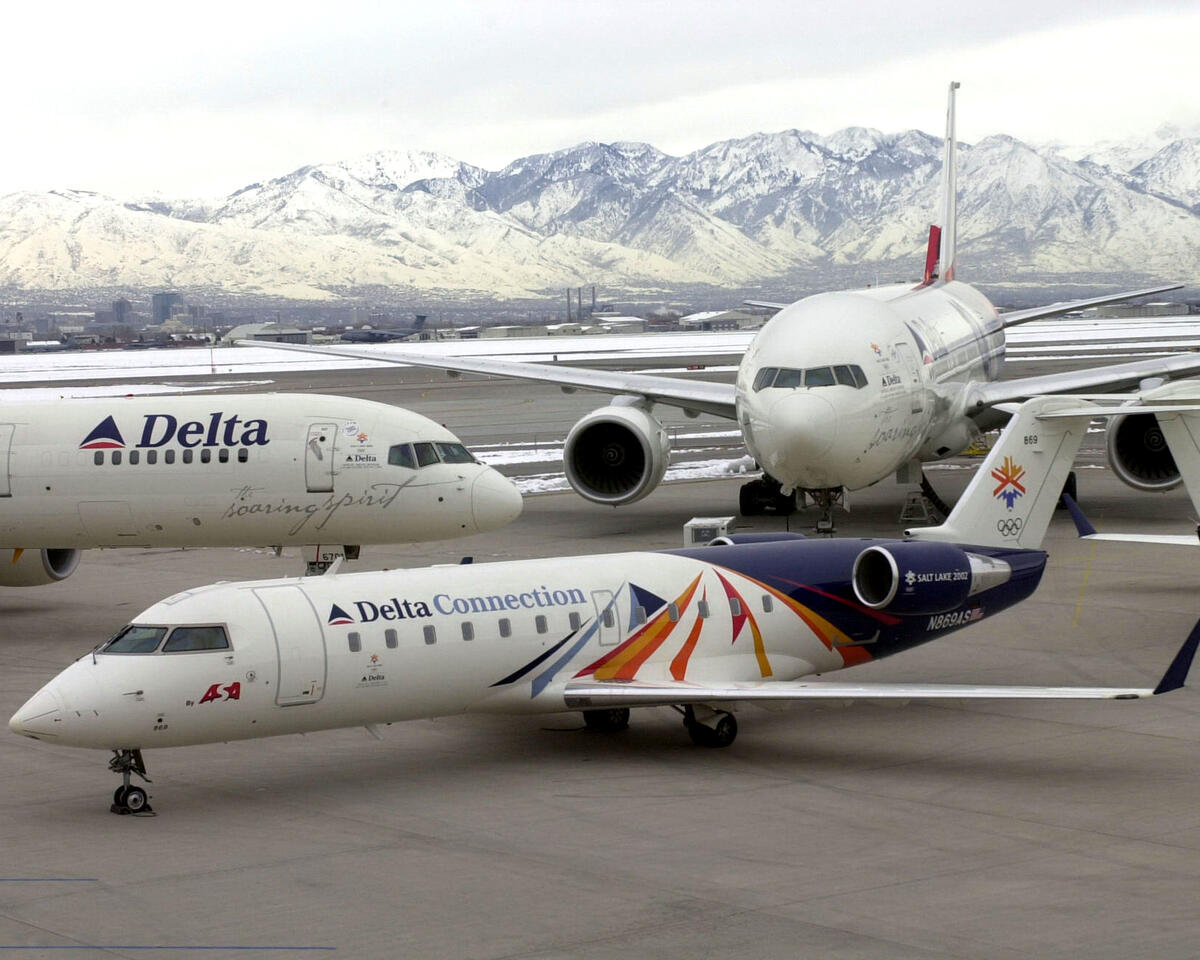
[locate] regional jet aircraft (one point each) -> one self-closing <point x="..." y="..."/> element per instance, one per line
<point x="698" y="630"/>
<point x="325" y="473"/>
<point x="838" y="390"/>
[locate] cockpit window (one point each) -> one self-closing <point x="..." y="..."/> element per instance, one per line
<point x="764" y="378"/>
<point x="789" y="378"/>
<point x="135" y="639"/>
<point x="426" y="455"/>
<point x="454" y="453"/>
<point x="184" y="639"/>
<point x="819" y="377"/>
<point x="401" y="455"/>
<point x="845" y="376"/>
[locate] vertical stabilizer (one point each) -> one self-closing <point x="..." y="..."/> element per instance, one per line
<point x="1011" y="499"/>
<point x="949" y="223"/>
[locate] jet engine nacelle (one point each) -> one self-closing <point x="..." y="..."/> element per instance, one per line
<point x="1138" y="453"/>
<point x="616" y="455"/>
<point x="922" y="577"/>
<point x="33" y="568"/>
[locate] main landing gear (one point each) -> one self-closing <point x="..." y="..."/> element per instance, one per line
<point x="607" y="721"/>
<point x="129" y="799"/>
<point x="765" y="495"/>
<point x="719" y="729"/>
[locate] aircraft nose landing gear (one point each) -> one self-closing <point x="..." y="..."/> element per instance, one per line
<point x="129" y="799"/>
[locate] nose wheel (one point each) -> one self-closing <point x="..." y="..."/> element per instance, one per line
<point x="765" y="496"/>
<point x="127" y="798"/>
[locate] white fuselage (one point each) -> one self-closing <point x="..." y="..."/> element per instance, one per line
<point x="917" y="350"/>
<point x="352" y="649"/>
<point x="235" y="470"/>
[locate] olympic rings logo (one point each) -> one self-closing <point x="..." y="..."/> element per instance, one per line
<point x="1009" y="527"/>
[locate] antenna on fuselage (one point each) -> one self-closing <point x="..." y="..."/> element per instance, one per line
<point x="946" y="255"/>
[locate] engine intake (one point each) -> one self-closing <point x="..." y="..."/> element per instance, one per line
<point x="34" y="568"/>
<point x="1138" y="453"/>
<point x="923" y="577"/>
<point x="616" y="455"/>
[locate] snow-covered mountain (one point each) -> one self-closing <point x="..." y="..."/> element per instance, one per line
<point x="737" y="214"/>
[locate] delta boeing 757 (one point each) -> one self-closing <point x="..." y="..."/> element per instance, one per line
<point x="839" y="390"/>
<point x="700" y="630"/>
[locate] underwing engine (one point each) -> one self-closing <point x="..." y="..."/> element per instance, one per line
<point x="35" y="567"/>
<point x="617" y="454"/>
<point x="1139" y="455"/>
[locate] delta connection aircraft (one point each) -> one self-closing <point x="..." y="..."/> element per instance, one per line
<point x="839" y="390"/>
<point x="231" y="470"/>
<point x="699" y="629"/>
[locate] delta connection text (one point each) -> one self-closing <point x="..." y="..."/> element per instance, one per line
<point x="444" y="603"/>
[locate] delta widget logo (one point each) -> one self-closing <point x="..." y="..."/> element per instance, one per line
<point x="338" y="617"/>
<point x="1009" y="476"/>
<point x="104" y="436"/>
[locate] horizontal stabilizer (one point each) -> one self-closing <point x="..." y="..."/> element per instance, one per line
<point x="1088" y="532"/>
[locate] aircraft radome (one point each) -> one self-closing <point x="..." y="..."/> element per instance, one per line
<point x="839" y="390"/>
<point x="697" y="629"/>
<point x="231" y="470"/>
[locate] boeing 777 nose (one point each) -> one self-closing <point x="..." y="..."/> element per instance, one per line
<point x="802" y="430"/>
<point x="495" y="501"/>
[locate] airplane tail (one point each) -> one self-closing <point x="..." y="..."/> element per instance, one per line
<point x="1011" y="499"/>
<point x="949" y="225"/>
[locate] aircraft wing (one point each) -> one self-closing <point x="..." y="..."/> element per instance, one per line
<point x="701" y="395"/>
<point x="1112" y="377"/>
<point x="607" y="694"/>
<point x="768" y="304"/>
<point x="1013" y="317"/>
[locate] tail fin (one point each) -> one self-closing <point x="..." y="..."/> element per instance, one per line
<point x="949" y="223"/>
<point x="1011" y="498"/>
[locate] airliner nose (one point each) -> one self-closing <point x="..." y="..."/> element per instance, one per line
<point x="495" y="501"/>
<point x="805" y="426"/>
<point x="38" y="717"/>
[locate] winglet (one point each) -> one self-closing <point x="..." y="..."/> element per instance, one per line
<point x="1178" y="670"/>
<point x="1082" y="523"/>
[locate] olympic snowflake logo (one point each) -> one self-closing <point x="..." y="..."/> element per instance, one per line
<point x="1009" y="476"/>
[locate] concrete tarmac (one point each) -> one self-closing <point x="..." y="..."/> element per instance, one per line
<point x="1007" y="830"/>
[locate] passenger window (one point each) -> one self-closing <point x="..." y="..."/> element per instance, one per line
<point x="819" y="377"/>
<point x="134" y="639"/>
<point x="608" y="617"/>
<point x="539" y="623"/>
<point x="430" y="634"/>
<point x="768" y="603"/>
<point x="844" y="376"/>
<point x="223" y="454"/>
<point x="468" y="630"/>
<point x="98" y="458"/>
<point x="639" y="614"/>
<point x="735" y="606"/>
<point x="574" y="620"/>
<point x="152" y="456"/>
<point x="390" y="638"/>
<point x="426" y="455"/>
<point x="789" y="378"/>
<point x="243" y="454"/>
<point x="505" y="627"/>
<point x="702" y="609"/>
<point x="134" y="456"/>
<point x="764" y="378"/>
<point x="673" y="612"/>
<point x="401" y="455"/>
<point x="116" y="457"/>
<point x="205" y="455"/>
<point x="188" y="455"/>
<point x="454" y="453"/>
<point x="184" y="639"/>
<point x="355" y="639"/>
<point x="169" y="456"/>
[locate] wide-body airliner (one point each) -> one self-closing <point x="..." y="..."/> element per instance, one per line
<point x="231" y="470"/>
<point x="699" y="629"/>
<point x="842" y="389"/>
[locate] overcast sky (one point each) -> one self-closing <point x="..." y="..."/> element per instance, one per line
<point x="200" y="99"/>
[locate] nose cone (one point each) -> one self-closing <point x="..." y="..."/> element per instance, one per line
<point x="38" y="718"/>
<point x="805" y="427"/>
<point x="495" y="501"/>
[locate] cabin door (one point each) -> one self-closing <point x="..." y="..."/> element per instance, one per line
<point x="299" y="644"/>
<point x="318" y="457"/>
<point x="606" y="615"/>
<point x="6" y="435"/>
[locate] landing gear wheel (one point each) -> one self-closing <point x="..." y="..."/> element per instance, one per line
<point x="129" y="799"/>
<point x="136" y="800"/>
<point x="748" y="501"/>
<point x="720" y="734"/>
<point x="765" y="496"/>
<point x="118" y="798"/>
<point x="607" y="721"/>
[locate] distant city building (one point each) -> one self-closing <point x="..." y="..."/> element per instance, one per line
<point x="161" y="304"/>
<point x="122" y="311"/>
<point x="1159" y="309"/>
